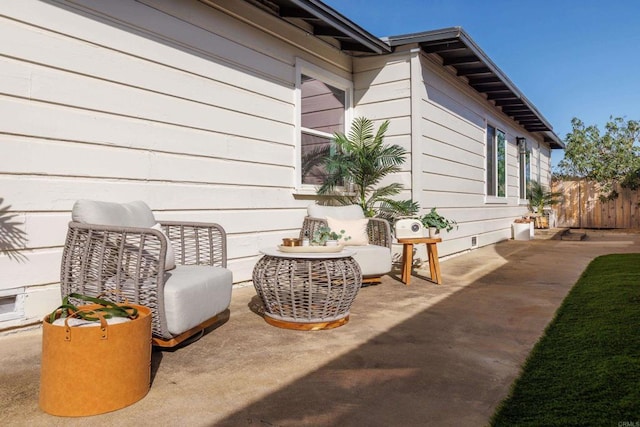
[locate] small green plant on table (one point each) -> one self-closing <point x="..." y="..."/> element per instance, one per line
<point x="324" y="233"/>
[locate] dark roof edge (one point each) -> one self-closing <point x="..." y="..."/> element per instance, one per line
<point x="460" y="34"/>
<point x="344" y="24"/>
<point x="554" y="140"/>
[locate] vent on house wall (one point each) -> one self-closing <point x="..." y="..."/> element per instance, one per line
<point x="7" y="304"/>
<point x="474" y="241"/>
<point x="11" y="304"/>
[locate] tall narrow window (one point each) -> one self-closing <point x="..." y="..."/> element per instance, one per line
<point x="491" y="161"/>
<point x="496" y="163"/>
<point x="502" y="163"/>
<point x="524" y="155"/>
<point x="323" y="109"/>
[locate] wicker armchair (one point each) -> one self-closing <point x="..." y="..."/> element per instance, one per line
<point x="375" y="258"/>
<point x="132" y="259"/>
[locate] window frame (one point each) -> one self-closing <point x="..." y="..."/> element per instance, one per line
<point x="524" y="168"/>
<point x="306" y="68"/>
<point x="492" y="169"/>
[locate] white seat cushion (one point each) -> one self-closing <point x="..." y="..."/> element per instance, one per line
<point x="373" y="260"/>
<point x="195" y="293"/>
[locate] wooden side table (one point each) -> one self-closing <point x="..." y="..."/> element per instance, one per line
<point x="432" y="253"/>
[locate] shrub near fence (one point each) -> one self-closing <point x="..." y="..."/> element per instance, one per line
<point x="581" y="206"/>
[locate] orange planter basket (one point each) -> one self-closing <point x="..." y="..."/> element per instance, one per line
<point x="97" y="369"/>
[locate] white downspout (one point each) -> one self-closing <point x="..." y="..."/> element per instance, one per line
<point x="416" y="125"/>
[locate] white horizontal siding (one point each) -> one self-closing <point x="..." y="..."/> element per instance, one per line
<point x="397" y="90"/>
<point x="40" y="47"/>
<point x="143" y="32"/>
<point x="453" y="122"/>
<point x="190" y="107"/>
<point x="49" y="121"/>
<point x="178" y="104"/>
<point x="33" y="193"/>
<point x="379" y="70"/>
<point x="435" y="149"/>
<point x="90" y="94"/>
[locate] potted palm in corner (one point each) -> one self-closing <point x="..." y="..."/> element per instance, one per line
<point x="360" y="162"/>
<point x="539" y="198"/>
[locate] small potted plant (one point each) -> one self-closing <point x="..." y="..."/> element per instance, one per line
<point x="324" y="236"/>
<point x="436" y="222"/>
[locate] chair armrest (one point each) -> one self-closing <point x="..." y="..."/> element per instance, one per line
<point x="197" y="243"/>
<point x="98" y="259"/>
<point x="379" y="232"/>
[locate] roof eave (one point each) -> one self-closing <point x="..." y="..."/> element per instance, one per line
<point x="439" y="41"/>
<point x="351" y="34"/>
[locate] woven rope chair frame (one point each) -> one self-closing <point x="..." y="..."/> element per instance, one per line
<point x="99" y="259"/>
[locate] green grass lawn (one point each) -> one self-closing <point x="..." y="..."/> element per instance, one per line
<point x="585" y="370"/>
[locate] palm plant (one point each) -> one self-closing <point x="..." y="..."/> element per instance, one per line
<point x="361" y="159"/>
<point x="540" y="196"/>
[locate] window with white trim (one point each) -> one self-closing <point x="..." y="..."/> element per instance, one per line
<point x="324" y="105"/>
<point x="524" y="160"/>
<point x="496" y="162"/>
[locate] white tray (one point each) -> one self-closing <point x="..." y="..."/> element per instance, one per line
<point x="310" y="249"/>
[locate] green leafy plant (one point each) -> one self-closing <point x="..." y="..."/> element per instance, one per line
<point x="434" y="220"/>
<point x="324" y="233"/>
<point x="608" y="157"/>
<point x="107" y="308"/>
<point x="358" y="163"/>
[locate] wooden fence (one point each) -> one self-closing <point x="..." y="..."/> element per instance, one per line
<point x="581" y="206"/>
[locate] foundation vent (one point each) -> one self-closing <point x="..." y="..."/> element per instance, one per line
<point x="11" y="304"/>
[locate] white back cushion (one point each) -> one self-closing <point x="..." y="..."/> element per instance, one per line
<point x="170" y="259"/>
<point x="338" y="212"/>
<point x="133" y="214"/>
<point x="354" y="229"/>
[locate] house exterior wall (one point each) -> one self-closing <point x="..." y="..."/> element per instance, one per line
<point x="442" y="122"/>
<point x="191" y="106"/>
<point x="187" y="106"/>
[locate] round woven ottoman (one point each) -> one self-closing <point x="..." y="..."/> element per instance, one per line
<point x="307" y="291"/>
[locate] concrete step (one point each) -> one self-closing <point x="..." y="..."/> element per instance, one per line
<point x="549" y="233"/>
<point x="574" y="235"/>
<point x="560" y="234"/>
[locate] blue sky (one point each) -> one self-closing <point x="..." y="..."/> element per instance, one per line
<point x="570" y="58"/>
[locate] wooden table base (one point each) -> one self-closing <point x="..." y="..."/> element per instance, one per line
<point x="299" y="326"/>
<point x="432" y="253"/>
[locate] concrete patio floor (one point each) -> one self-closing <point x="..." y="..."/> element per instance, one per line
<point x="418" y="355"/>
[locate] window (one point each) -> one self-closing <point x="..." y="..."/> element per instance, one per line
<point x="323" y="105"/>
<point x="524" y="160"/>
<point x="496" y="163"/>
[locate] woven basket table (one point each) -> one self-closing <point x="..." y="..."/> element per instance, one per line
<point x="307" y="291"/>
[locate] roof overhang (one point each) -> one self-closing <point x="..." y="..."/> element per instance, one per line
<point x="458" y="51"/>
<point x="326" y="22"/>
